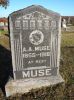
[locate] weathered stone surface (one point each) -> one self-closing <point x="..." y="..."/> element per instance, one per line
<point x="35" y="45"/>
<point x="23" y="86"/>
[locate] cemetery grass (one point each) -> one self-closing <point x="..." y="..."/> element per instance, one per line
<point x="67" y="39"/>
<point x="3" y="32"/>
<point x="63" y="91"/>
<point x="4" y="41"/>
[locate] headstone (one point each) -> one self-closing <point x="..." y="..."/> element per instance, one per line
<point x="64" y="24"/>
<point x="35" y="45"/>
<point x="69" y="22"/>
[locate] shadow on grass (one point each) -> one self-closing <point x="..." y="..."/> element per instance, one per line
<point x="7" y="35"/>
<point x="6" y="70"/>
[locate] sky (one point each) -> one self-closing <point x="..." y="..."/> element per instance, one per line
<point x="64" y="7"/>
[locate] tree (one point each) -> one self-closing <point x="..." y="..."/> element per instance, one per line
<point x="4" y="3"/>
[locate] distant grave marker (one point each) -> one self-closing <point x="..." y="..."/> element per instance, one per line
<point x="64" y="23"/>
<point x="35" y="46"/>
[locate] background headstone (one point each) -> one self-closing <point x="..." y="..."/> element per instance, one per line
<point x="35" y="45"/>
<point x="64" y="23"/>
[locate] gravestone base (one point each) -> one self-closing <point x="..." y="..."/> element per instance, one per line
<point x="23" y="86"/>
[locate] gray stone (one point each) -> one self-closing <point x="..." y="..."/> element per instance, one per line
<point x="35" y="34"/>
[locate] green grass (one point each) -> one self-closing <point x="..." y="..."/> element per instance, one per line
<point x="67" y="39"/>
<point x="4" y="41"/>
<point x="3" y="32"/>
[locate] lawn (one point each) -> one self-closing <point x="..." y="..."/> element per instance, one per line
<point x="67" y="39"/>
<point x="63" y="91"/>
<point x="3" y="32"/>
<point x="4" y="41"/>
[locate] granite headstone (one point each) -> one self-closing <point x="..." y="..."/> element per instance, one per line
<point x="35" y="45"/>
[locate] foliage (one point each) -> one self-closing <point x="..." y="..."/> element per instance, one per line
<point x="4" y="3"/>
